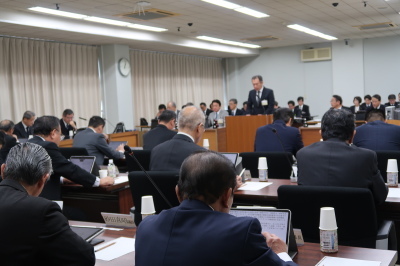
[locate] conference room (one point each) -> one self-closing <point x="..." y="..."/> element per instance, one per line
<point x="121" y="59"/>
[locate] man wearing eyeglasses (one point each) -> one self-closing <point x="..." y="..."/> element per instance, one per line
<point x="48" y="134"/>
<point x="169" y="156"/>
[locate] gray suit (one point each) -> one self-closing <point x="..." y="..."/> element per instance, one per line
<point x="96" y="145"/>
<point x="211" y="117"/>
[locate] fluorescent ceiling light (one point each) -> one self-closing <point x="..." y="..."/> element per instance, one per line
<point x="57" y="12"/>
<point x="242" y="44"/>
<point x="251" y="12"/>
<point x="223" y="3"/>
<point x="312" y="32"/>
<point x="107" y="21"/>
<point x="144" y="27"/>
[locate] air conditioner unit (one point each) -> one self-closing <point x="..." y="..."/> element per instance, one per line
<point x="319" y="54"/>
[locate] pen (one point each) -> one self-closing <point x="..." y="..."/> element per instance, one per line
<point x="105" y="247"/>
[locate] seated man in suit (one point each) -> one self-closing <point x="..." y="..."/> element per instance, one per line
<point x="334" y="162"/>
<point x="33" y="230"/>
<point x="337" y="103"/>
<point x="376" y="134"/>
<point x="376" y="103"/>
<point x="291" y="107"/>
<point x="268" y="137"/>
<point x="47" y="132"/>
<point x="367" y="102"/>
<point x="168" y="156"/>
<point x="23" y="129"/>
<point x="301" y="109"/>
<point x="200" y="231"/>
<point x="217" y="113"/>
<point x="161" y="109"/>
<point x="162" y="132"/>
<point x="205" y="110"/>
<point x="392" y="101"/>
<point x="7" y="127"/>
<point x="172" y="107"/>
<point x="233" y="110"/>
<point x="67" y="123"/>
<point x="261" y="99"/>
<point x="244" y="108"/>
<point x="94" y="141"/>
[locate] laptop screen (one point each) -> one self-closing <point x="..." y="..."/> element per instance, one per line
<point x="231" y="156"/>
<point x="114" y="144"/>
<point x="84" y="162"/>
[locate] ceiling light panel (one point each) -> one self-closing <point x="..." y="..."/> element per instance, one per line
<point x="57" y="12"/>
<point x="311" y="32"/>
<point x="238" y="8"/>
<point x="242" y="44"/>
<point x="223" y="3"/>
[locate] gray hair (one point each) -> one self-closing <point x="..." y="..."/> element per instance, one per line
<point x="233" y="100"/>
<point x="172" y="103"/>
<point x="190" y="117"/>
<point x="27" y="163"/>
<point x="6" y="125"/>
<point x="28" y="115"/>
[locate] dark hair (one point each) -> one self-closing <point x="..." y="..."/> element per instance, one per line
<point x="203" y="104"/>
<point x="337" y="123"/>
<point x="162" y="106"/>
<point x="216" y="101"/>
<point x="207" y="175"/>
<point x="338" y="98"/>
<point x="259" y="77"/>
<point x="358" y="98"/>
<point x="233" y="100"/>
<point x="6" y="125"/>
<point x="283" y="114"/>
<point x="276" y="103"/>
<point x="67" y="112"/>
<point x="392" y="97"/>
<point x="183" y="106"/>
<point x="377" y="96"/>
<point x="96" y="121"/>
<point x="28" y="115"/>
<point x="245" y="102"/>
<point x="300" y="99"/>
<point x="45" y="124"/>
<point x="189" y="104"/>
<point x="167" y="116"/>
<point x="290" y="102"/>
<point x="375" y="114"/>
<point x="367" y="97"/>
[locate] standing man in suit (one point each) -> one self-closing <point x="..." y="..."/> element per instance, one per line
<point x="392" y="100"/>
<point x="47" y="132"/>
<point x="33" y="230"/>
<point x="268" y="137"/>
<point x="376" y="103"/>
<point x="376" y="134"/>
<point x="367" y="102"/>
<point x="217" y="113"/>
<point x="205" y="189"/>
<point x="261" y="100"/>
<point x="162" y="132"/>
<point x="7" y="127"/>
<point x="302" y="109"/>
<point x="67" y="123"/>
<point x="233" y="110"/>
<point x="94" y="141"/>
<point x="334" y="162"/>
<point x="169" y="155"/>
<point x="23" y="129"/>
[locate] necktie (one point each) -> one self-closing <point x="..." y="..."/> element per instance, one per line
<point x="233" y="113"/>
<point x="216" y="116"/>
<point x="27" y="130"/>
<point x="258" y="97"/>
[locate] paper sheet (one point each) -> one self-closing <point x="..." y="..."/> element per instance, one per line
<point x="254" y="185"/>
<point x="394" y="193"/>
<point x="122" y="246"/>
<point x="334" y="261"/>
<point x="120" y="179"/>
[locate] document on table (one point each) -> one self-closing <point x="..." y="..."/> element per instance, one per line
<point x="254" y="185"/>
<point x="394" y="193"/>
<point x="334" y="261"/>
<point x="120" y="179"/>
<point x="115" y="248"/>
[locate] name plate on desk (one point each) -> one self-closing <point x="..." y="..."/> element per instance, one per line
<point x="118" y="220"/>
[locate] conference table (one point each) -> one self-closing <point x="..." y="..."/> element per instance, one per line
<point x="309" y="254"/>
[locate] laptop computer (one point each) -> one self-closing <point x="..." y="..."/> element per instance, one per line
<point x="84" y="162"/>
<point x="275" y="221"/>
<point x="114" y="144"/>
<point x="231" y="156"/>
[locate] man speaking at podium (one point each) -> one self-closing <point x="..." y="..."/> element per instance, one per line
<point x="261" y="100"/>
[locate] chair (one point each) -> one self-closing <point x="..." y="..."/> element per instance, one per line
<point x="278" y="165"/>
<point x="68" y="152"/>
<point x="354" y="209"/>
<point x="141" y="186"/>
<point x="383" y="157"/>
<point x="143" y="156"/>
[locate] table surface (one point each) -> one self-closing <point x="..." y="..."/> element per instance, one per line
<point x="309" y="254"/>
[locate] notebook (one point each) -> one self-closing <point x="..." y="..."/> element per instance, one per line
<point x="84" y="162"/>
<point x="87" y="233"/>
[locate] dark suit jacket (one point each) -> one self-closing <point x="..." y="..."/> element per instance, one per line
<point x="157" y="135"/>
<point x="395" y="104"/>
<point x="267" y="140"/>
<point x="335" y="163"/>
<point x="65" y="130"/>
<point x="35" y="232"/>
<point x="169" y="156"/>
<point x="353" y="109"/>
<point x="20" y="132"/>
<point x="9" y="143"/>
<point x="193" y="234"/>
<point x="363" y="106"/>
<point x="254" y="108"/>
<point x="381" y="107"/>
<point x="61" y="167"/>
<point x="238" y="112"/>
<point x="378" y="135"/>
<point x="302" y="113"/>
<point x="96" y="145"/>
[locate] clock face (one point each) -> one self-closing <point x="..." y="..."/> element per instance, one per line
<point x="124" y="67"/>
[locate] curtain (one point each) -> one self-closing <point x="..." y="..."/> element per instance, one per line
<point x="158" y="78"/>
<point x="48" y="77"/>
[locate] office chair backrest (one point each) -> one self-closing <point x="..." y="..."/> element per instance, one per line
<point x="383" y="157"/>
<point x="354" y="209"/>
<point x="141" y="186"/>
<point x="278" y="165"/>
<point x="68" y="152"/>
<point x="143" y="156"/>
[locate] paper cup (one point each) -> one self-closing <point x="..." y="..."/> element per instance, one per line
<point x="103" y="173"/>
<point x="206" y="143"/>
<point x="262" y="163"/>
<point x="392" y="166"/>
<point x="327" y="219"/>
<point x="71" y="133"/>
<point x="148" y="205"/>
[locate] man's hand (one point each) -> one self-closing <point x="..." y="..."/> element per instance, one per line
<point x="106" y="181"/>
<point x="275" y="243"/>
<point x="120" y="147"/>
<point x="72" y="124"/>
<point x="239" y="182"/>
<point x="105" y="136"/>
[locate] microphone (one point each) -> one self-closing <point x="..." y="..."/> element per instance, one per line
<point x="83" y="118"/>
<point x="129" y="152"/>
<point x="283" y="148"/>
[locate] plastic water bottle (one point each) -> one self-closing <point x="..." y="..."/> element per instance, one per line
<point x="111" y="168"/>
